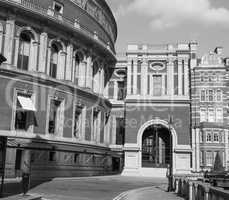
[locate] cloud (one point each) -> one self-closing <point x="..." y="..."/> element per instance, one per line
<point x="169" y="13"/>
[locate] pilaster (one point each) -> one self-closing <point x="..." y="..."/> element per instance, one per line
<point x="226" y="148"/>
<point x="135" y="77"/>
<point x="69" y="59"/>
<point x="16" y="50"/>
<point x="180" y="85"/>
<point x="186" y="78"/>
<point x="129" y="77"/>
<point x="9" y="40"/>
<point x="43" y="53"/>
<point x="89" y="73"/>
<point x="144" y="75"/>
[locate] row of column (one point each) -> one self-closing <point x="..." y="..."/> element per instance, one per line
<point x="132" y="81"/>
<point x="40" y="55"/>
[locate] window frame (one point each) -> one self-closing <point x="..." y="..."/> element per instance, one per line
<point x="18" y="91"/>
<point x="56" y="133"/>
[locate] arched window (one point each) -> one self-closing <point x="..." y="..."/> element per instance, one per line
<point x="53" y="60"/>
<point x="24" y="51"/>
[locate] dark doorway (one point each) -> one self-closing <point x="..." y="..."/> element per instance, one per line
<point x="156" y="147"/>
<point x="116" y="164"/>
<point x="18" y="159"/>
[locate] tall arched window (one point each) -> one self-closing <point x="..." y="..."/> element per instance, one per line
<point x="53" y="60"/>
<point x="24" y="51"/>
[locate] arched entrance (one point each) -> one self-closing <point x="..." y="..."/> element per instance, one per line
<point x="156" y="147"/>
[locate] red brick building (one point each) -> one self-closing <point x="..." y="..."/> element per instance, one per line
<point x="60" y="57"/>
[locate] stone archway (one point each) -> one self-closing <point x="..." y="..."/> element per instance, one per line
<point x="158" y="163"/>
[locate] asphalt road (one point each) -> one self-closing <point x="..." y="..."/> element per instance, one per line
<point x="93" y="188"/>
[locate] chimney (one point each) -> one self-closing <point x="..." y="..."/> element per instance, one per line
<point x="219" y="50"/>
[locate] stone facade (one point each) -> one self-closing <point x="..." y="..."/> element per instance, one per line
<point x="60" y="57"/>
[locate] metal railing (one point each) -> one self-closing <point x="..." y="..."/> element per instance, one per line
<point x="73" y="23"/>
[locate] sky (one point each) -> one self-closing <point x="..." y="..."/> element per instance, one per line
<point x="172" y="21"/>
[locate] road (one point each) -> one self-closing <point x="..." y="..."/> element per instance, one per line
<point x="93" y="188"/>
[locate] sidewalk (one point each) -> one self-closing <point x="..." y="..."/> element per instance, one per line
<point x="148" y="193"/>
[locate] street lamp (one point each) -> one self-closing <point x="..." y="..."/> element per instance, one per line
<point x="170" y="176"/>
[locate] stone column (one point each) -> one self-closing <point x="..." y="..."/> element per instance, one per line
<point x="1" y="37"/>
<point x="144" y="77"/>
<point x="129" y="77"/>
<point x="135" y="78"/>
<point x="180" y="86"/>
<point x="9" y="40"/>
<point x="186" y="78"/>
<point x="43" y="53"/>
<point x="170" y="76"/>
<point x="89" y="72"/>
<point x="114" y="130"/>
<point x="115" y="90"/>
<point x="102" y="81"/>
<point x="69" y="62"/>
<point x="61" y="65"/>
<point x="16" y="50"/>
<point x="48" y="60"/>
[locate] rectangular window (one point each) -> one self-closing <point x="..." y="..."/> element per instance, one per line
<point x="203" y="115"/>
<point x="210" y="95"/>
<point x="202" y="95"/>
<point x="216" y="137"/>
<point x="157" y="85"/>
<point x="208" y="137"/>
<point x="176" y="79"/>
<point x="23" y="56"/>
<point x="211" y="115"/>
<point x="201" y="136"/>
<point x="209" y="158"/>
<point x="121" y="90"/>
<point x="55" y="116"/>
<point x="219" y="115"/>
<point x="25" y="112"/>
<point x="120" y="131"/>
<point x="219" y="95"/>
<point x="53" y="70"/>
<point x="77" y="122"/>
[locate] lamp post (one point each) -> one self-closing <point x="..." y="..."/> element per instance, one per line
<point x="3" y="141"/>
<point x="170" y="177"/>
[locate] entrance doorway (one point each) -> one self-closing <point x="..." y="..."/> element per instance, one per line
<point x="156" y="147"/>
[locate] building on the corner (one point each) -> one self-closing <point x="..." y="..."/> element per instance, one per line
<point x="210" y="110"/>
<point x="157" y="108"/>
<point x="60" y="57"/>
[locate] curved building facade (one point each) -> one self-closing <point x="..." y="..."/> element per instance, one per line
<point x="60" y="57"/>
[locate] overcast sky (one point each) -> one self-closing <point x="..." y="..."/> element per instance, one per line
<point x="172" y="21"/>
